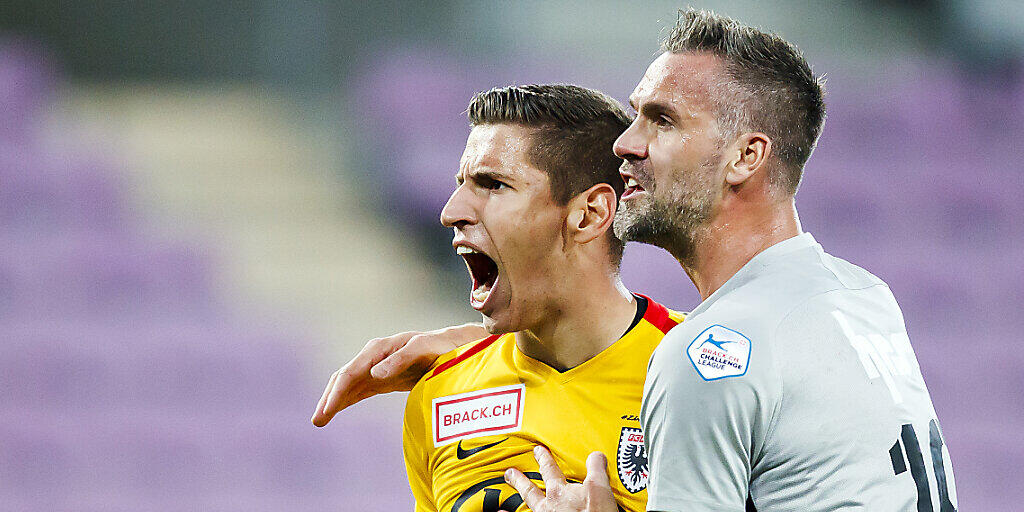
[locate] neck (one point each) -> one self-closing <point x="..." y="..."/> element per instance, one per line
<point x="734" y="237"/>
<point x="588" y="319"/>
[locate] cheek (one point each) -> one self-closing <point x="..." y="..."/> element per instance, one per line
<point x="674" y="146"/>
<point x="532" y="248"/>
<point x="525" y="220"/>
<point x="668" y="163"/>
<point x="681" y="157"/>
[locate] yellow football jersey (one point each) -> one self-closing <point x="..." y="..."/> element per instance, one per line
<point x="483" y="407"/>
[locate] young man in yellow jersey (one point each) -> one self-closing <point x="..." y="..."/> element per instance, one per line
<point x="532" y="217"/>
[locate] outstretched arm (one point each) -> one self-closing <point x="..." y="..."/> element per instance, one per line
<point x="394" y="363"/>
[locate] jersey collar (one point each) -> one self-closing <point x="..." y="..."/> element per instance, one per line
<point x="647" y="309"/>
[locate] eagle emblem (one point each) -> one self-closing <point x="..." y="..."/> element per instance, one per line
<point x="631" y="460"/>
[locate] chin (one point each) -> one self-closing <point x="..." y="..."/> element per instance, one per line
<point x="489" y="324"/>
<point x="498" y="325"/>
<point x="627" y="224"/>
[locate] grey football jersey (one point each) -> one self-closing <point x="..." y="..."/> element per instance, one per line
<point x="793" y="387"/>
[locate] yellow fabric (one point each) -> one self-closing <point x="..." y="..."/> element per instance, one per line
<point x="572" y="413"/>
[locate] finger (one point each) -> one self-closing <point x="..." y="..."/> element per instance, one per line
<point x="347" y="388"/>
<point x="327" y="392"/>
<point x="531" y="494"/>
<point x="549" y="469"/>
<point x="355" y="371"/>
<point x="318" y="413"/>
<point x="553" y="477"/>
<point x="597" y="469"/>
<point x="597" y="486"/>
<point x="397" y="361"/>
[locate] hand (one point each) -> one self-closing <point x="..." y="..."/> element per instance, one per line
<point x="394" y="363"/>
<point x="593" y="495"/>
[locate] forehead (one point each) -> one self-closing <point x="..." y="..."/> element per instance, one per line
<point x="502" y="146"/>
<point x="683" y="80"/>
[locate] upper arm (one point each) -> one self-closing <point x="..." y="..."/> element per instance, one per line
<point x="711" y="394"/>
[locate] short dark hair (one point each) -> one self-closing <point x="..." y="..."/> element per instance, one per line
<point x="779" y="95"/>
<point x="576" y="128"/>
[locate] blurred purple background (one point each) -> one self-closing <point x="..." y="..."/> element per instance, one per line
<point x="167" y="322"/>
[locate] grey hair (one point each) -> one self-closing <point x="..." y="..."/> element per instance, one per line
<point x="769" y="88"/>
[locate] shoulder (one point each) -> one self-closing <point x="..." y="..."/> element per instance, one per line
<point x="758" y="319"/>
<point x="791" y="283"/>
<point x="448" y="373"/>
<point x="476" y="350"/>
<point x="448" y="367"/>
<point x="805" y="292"/>
<point x="784" y="287"/>
<point x="717" y="346"/>
<point x="661" y="317"/>
<point x="732" y="339"/>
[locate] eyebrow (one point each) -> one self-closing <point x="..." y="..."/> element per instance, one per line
<point x="493" y="175"/>
<point x="487" y="174"/>
<point x="655" y="108"/>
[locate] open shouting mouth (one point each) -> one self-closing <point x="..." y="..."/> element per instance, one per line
<point x="484" y="273"/>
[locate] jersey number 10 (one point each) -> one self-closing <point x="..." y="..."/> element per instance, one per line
<point x="908" y="439"/>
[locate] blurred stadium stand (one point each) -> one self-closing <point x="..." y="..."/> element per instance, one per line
<point x="136" y="376"/>
<point x="206" y="207"/>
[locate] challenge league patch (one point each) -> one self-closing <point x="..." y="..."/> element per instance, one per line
<point x="719" y="352"/>
<point x="477" y="413"/>
<point x="631" y="460"/>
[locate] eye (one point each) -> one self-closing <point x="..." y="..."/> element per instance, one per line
<point x="490" y="183"/>
<point x="663" y="121"/>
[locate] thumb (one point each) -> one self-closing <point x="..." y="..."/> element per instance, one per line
<point x="597" y="487"/>
<point x="597" y="469"/>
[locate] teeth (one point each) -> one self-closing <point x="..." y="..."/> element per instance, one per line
<point x="480" y="294"/>
<point x="462" y="249"/>
<point x="632" y="183"/>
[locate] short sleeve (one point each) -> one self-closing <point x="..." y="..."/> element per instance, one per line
<point x="416" y="451"/>
<point x="711" y="394"/>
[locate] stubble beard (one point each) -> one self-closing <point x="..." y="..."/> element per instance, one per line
<point x="671" y="220"/>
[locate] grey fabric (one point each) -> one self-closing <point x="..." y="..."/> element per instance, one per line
<point x="828" y="412"/>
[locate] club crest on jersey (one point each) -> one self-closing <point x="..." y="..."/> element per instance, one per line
<point x="631" y="460"/>
<point x="719" y="352"/>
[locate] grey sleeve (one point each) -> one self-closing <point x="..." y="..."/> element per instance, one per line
<point x="709" y="402"/>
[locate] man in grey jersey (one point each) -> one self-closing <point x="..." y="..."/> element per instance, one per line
<point x="793" y="385"/>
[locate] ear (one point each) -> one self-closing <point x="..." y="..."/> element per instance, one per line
<point x="591" y="213"/>
<point x="752" y="152"/>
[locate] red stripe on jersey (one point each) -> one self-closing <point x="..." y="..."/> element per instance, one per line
<point x="657" y="315"/>
<point x="486" y="342"/>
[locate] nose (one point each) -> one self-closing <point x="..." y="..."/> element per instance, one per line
<point x="632" y="144"/>
<point x="458" y="211"/>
